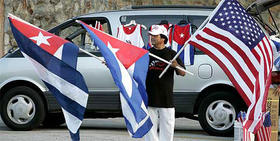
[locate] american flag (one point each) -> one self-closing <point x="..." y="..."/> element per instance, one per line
<point x="247" y="136"/>
<point x="235" y="41"/>
<point x="241" y="117"/>
<point x="264" y="133"/>
<point x="275" y="43"/>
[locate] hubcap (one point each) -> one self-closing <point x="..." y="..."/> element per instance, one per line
<point x="21" y="109"/>
<point x="220" y="115"/>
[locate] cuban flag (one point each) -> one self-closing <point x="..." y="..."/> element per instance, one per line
<point x="180" y="35"/>
<point x="275" y="43"/>
<point x="128" y="65"/>
<point x="55" y="61"/>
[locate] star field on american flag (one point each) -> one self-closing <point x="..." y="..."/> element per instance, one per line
<point x="234" y="18"/>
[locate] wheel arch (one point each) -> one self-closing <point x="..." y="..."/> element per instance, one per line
<point x="26" y="83"/>
<point x="215" y="87"/>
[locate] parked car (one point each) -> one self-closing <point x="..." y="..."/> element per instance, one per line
<point x="208" y="95"/>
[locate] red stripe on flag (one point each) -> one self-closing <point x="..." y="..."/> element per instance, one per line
<point x="233" y="61"/>
<point x="225" y="69"/>
<point x="233" y="46"/>
<point x="266" y="52"/>
<point x="266" y="84"/>
<point x="256" y="56"/>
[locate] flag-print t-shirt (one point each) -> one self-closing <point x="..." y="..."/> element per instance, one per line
<point x="160" y="90"/>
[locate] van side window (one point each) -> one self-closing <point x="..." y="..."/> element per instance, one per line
<point x="76" y="34"/>
<point x="197" y="21"/>
<point x="72" y="33"/>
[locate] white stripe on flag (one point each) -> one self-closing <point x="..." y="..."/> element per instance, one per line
<point x="126" y="79"/>
<point x="69" y="90"/>
<point x="128" y="114"/>
<point x="58" y="53"/>
<point x="131" y="70"/>
<point x="72" y="122"/>
<point x="175" y="46"/>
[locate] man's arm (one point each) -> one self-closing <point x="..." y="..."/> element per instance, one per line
<point x="179" y="72"/>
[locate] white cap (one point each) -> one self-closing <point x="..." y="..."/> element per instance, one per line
<point x="158" y="29"/>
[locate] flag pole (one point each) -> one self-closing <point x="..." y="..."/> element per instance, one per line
<point x="196" y="32"/>
<point x="165" y="61"/>
<point x="94" y="56"/>
<point x="161" y="59"/>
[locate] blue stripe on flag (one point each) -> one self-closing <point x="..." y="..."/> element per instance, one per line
<point x="76" y="136"/>
<point x="70" y="59"/>
<point x="277" y="44"/>
<point x="140" y="74"/>
<point x="277" y="63"/>
<point x="141" y="131"/>
<point x="182" y="54"/>
<point x="66" y="103"/>
<point x="191" y="54"/>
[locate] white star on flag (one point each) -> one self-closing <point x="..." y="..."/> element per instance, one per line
<point x="182" y="35"/>
<point x="114" y="50"/>
<point x="41" y="39"/>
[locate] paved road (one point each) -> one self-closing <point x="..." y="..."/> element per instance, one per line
<point x="105" y="130"/>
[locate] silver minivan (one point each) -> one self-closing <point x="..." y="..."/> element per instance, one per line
<point x="207" y="96"/>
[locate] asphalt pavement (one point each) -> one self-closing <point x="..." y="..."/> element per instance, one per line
<point x="111" y="129"/>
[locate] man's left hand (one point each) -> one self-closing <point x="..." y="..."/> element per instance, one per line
<point x="174" y="63"/>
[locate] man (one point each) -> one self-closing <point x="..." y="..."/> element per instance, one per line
<point x="160" y="90"/>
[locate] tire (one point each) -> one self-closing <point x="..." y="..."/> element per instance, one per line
<point x="54" y="120"/>
<point x="22" y="108"/>
<point x="217" y="113"/>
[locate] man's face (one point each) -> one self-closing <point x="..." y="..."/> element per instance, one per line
<point x="156" y="40"/>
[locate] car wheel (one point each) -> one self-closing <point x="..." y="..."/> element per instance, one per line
<point x="22" y="108"/>
<point x="53" y="120"/>
<point x="217" y="113"/>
